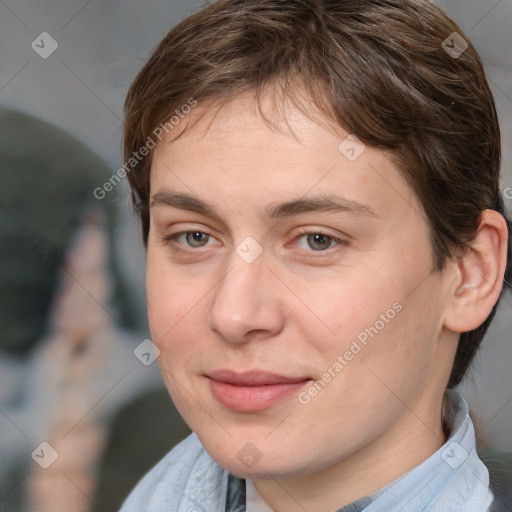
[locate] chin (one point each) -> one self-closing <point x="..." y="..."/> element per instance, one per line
<point x="245" y="460"/>
<point x="260" y="471"/>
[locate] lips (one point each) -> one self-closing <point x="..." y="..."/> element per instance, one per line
<point x="254" y="390"/>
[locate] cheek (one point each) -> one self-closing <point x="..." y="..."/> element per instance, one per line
<point x="398" y="353"/>
<point x="372" y="322"/>
<point x="343" y="310"/>
<point x="174" y="300"/>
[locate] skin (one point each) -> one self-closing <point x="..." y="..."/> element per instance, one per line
<point x="294" y="310"/>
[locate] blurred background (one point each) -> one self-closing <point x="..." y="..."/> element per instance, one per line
<point x="83" y="410"/>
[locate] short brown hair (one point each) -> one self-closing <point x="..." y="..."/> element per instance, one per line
<point x="377" y="68"/>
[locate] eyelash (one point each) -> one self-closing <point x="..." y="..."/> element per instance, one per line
<point x="304" y="232"/>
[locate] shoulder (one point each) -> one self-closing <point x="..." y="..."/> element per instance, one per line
<point x="186" y="478"/>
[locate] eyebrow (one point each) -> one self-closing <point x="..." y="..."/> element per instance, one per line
<point x="320" y="203"/>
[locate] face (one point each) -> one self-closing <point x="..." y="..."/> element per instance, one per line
<point x="291" y="293"/>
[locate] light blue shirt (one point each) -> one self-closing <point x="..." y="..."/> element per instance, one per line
<point x="453" y="479"/>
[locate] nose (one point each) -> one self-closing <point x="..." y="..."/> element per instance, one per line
<point x="245" y="304"/>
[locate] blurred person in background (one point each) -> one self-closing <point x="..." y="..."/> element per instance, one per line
<point x="66" y="332"/>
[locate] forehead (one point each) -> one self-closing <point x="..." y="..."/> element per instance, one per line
<point x="234" y="154"/>
<point x="279" y="113"/>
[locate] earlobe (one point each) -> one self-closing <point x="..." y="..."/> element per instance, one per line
<point x="480" y="275"/>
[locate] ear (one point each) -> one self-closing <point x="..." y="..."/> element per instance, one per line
<point x="479" y="275"/>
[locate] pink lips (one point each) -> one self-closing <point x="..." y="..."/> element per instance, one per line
<point x="252" y="391"/>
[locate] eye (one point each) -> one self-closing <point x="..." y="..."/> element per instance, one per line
<point x="317" y="241"/>
<point x="193" y="239"/>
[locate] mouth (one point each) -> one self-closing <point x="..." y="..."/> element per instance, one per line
<point x="254" y="390"/>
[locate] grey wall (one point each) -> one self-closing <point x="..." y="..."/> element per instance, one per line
<point x="102" y="44"/>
